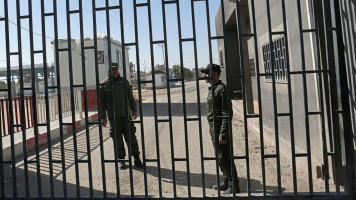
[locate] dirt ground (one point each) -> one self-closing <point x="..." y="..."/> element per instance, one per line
<point x="159" y="143"/>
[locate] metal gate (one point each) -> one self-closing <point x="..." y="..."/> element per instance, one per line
<point x="289" y="135"/>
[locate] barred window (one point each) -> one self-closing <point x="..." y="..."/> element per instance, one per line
<point x="280" y="59"/>
<point x="252" y="68"/>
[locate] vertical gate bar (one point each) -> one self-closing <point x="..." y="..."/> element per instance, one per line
<point x="347" y="8"/>
<point x="290" y="101"/>
<point x="239" y="33"/>
<point x="139" y="91"/>
<point x="59" y="110"/>
<point x="10" y="110"/>
<point x="169" y="100"/>
<point x="231" y="140"/>
<point x="213" y="92"/>
<point x="82" y="50"/>
<point x="276" y="127"/>
<point x="260" y="118"/>
<point x="97" y="82"/>
<point x="184" y="98"/>
<point x="153" y="90"/>
<point x="21" y="98"/>
<point x="305" y="90"/>
<point x="49" y="140"/>
<point x="346" y="116"/>
<point x="198" y="98"/>
<point x="139" y="94"/>
<point x="321" y="99"/>
<point x="128" y="118"/>
<point x="330" y="63"/>
<point x="111" y="96"/>
<point x="60" y="118"/>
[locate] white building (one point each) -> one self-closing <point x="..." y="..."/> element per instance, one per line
<point x="160" y="80"/>
<point x="102" y="56"/>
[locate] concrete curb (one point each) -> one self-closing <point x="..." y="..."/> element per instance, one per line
<point x="42" y="138"/>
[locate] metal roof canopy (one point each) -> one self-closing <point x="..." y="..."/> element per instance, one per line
<point x="26" y="69"/>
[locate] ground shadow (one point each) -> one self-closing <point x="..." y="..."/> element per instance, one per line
<point x="210" y="180"/>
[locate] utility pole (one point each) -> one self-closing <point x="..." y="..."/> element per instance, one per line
<point x="164" y="63"/>
<point x="144" y="64"/>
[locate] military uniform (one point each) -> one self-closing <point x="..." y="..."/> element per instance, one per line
<point x="223" y="108"/>
<point x="120" y="118"/>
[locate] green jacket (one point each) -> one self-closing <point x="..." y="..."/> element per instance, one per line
<point x="106" y="106"/>
<point x="223" y="108"/>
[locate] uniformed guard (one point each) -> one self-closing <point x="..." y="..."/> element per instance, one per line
<point x="223" y="108"/>
<point x="117" y="91"/>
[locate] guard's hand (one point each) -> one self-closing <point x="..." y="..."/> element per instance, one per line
<point x="221" y="141"/>
<point x="104" y="122"/>
<point x="134" y="115"/>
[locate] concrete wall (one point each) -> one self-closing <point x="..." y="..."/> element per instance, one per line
<point x="231" y="58"/>
<point x="295" y="64"/>
<point x="348" y="16"/>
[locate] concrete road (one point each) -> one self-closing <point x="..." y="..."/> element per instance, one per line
<point x="156" y="144"/>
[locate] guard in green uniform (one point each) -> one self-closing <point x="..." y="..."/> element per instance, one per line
<point x="220" y="136"/>
<point x="117" y="91"/>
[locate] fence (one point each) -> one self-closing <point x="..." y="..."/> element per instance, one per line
<point x="300" y="86"/>
<point x="41" y="108"/>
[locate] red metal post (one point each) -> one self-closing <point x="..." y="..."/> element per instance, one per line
<point x="15" y="115"/>
<point x="3" y="117"/>
<point x="8" y="116"/>
<point x="31" y="107"/>
<point x="28" y="114"/>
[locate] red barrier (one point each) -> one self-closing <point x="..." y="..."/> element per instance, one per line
<point x="17" y="114"/>
<point x="3" y="117"/>
<point x="91" y="99"/>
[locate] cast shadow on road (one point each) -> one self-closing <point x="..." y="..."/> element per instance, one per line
<point x="45" y="186"/>
<point x="44" y="173"/>
<point x="177" y="109"/>
<point x="210" y="180"/>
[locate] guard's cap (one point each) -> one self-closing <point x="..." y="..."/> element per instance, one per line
<point x="216" y="68"/>
<point x="114" y="64"/>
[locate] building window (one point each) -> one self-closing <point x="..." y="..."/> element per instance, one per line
<point x="252" y="68"/>
<point x="100" y="57"/>
<point x="221" y="56"/>
<point x="280" y="60"/>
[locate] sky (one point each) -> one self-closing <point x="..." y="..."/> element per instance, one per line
<point x="115" y="29"/>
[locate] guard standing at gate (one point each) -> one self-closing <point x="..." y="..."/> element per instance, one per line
<point x="220" y="136"/>
<point x="117" y="92"/>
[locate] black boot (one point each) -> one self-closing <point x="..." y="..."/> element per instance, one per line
<point x="229" y="190"/>
<point x="137" y="162"/>
<point x="122" y="164"/>
<point x="223" y="186"/>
